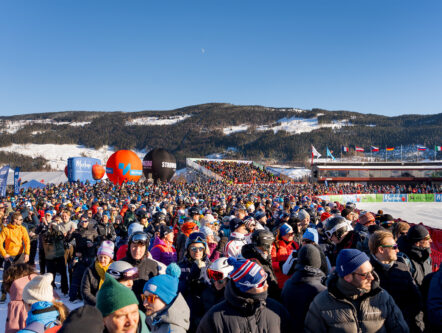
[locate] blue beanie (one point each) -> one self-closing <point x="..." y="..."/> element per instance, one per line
<point x="311" y="234"/>
<point x="165" y="286"/>
<point x="349" y="260"/>
<point x="285" y="229"/>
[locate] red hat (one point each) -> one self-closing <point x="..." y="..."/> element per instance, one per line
<point x="325" y="216"/>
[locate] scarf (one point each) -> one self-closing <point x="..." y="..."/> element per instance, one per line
<point x="101" y="271"/>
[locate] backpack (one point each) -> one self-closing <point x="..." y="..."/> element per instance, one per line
<point x="402" y="257"/>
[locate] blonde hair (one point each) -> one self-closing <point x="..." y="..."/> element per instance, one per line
<point x="62" y="310"/>
<point x="377" y="239"/>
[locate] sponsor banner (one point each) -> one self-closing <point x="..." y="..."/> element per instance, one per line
<point x="417" y="197"/>
<point x="395" y="197"/>
<point x="438" y="197"/>
<point x="3" y="180"/>
<point x="367" y="197"/>
<point x="16" y="181"/>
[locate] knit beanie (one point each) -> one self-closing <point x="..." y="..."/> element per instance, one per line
<point x="206" y="231"/>
<point x="134" y="227"/>
<point x="246" y="274"/>
<point x="311" y="234"/>
<point x="39" y="289"/>
<point x="113" y="296"/>
<point x="87" y="319"/>
<point x="345" y="212"/>
<point x="285" y="229"/>
<point x="416" y="233"/>
<point x="107" y="249"/>
<point x="325" y="216"/>
<point x="349" y="260"/>
<point x="187" y="227"/>
<point x="309" y="255"/>
<point x="302" y="214"/>
<point x="165" y="286"/>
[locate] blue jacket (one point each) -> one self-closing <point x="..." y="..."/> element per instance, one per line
<point x="434" y="302"/>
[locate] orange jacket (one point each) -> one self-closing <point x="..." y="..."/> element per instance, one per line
<point x="16" y="240"/>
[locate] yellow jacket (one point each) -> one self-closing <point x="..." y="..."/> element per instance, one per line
<point x="16" y="240"/>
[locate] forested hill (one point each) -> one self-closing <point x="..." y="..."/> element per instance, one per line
<point x="254" y="132"/>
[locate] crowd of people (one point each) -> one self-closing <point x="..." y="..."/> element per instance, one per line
<point x="237" y="172"/>
<point x="211" y="257"/>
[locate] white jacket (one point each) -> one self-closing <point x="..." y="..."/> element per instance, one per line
<point x="234" y="245"/>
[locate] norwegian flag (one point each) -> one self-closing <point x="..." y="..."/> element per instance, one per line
<point x="344" y="149"/>
<point x="359" y="149"/>
<point x="373" y="148"/>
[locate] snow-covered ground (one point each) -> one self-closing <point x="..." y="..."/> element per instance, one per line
<point x="295" y="173"/>
<point x="153" y="121"/>
<point x="11" y="126"/>
<point x="235" y="129"/>
<point x="429" y="213"/>
<point x="295" y="125"/>
<point x="57" y="155"/>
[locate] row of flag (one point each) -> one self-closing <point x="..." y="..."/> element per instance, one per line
<point x="345" y="149"/>
<point x="373" y="149"/>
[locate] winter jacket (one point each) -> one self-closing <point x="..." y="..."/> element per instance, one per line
<point x="214" y="251"/>
<point x="17" y="314"/>
<point x="147" y="268"/>
<point x="398" y="282"/>
<point x="303" y="286"/>
<point x="173" y="319"/>
<point x="191" y="285"/>
<point x="163" y="252"/>
<point x="90" y="285"/>
<point x="234" y="245"/>
<point x="434" y="303"/>
<point x="242" y="312"/>
<point x="53" y="243"/>
<point x="181" y="245"/>
<point x="42" y="315"/>
<point x="351" y="241"/>
<point x="281" y="250"/>
<point x="417" y="259"/>
<point x="67" y="227"/>
<point x="83" y="236"/>
<point x="16" y="240"/>
<point x="249" y="251"/>
<point x="106" y="231"/>
<point x="374" y="311"/>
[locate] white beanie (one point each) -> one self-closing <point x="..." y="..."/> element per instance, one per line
<point x="39" y="289"/>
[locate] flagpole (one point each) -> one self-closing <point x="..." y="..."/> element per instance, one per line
<point x="385" y="153"/>
<point x="435" y="153"/>
<point x="401" y="153"/>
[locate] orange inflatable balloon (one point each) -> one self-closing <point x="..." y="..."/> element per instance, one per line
<point x="124" y="166"/>
<point x="97" y="171"/>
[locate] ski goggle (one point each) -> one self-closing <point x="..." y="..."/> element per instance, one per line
<point x="330" y="232"/>
<point x="139" y="238"/>
<point x="214" y="275"/>
<point x="128" y="274"/>
<point x="149" y="298"/>
<point x="197" y="237"/>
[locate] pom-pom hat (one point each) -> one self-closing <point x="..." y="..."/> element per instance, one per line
<point x="246" y="274"/>
<point x="165" y="286"/>
<point x="106" y="248"/>
<point x="39" y="289"/>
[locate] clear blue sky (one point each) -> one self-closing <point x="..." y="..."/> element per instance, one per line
<point x="372" y="56"/>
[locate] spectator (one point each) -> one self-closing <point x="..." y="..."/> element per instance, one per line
<point x="245" y="297"/>
<point x="354" y="301"/>
<point x="163" y="249"/>
<point x="237" y="238"/>
<point x="166" y="309"/>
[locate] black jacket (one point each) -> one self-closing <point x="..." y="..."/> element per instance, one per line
<point x="249" y="251"/>
<point x="299" y="291"/>
<point x="83" y="236"/>
<point x="242" y="312"/>
<point x="399" y="283"/>
<point x="89" y="285"/>
<point x="419" y="259"/>
<point x="106" y="232"/>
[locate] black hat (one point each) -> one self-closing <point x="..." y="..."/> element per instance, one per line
<point x="345" y="212"/>
<point x="309" y="255"/>
<point x="386" y="218"/>
<point x="235" y="223"/>
<point x="87" y="319"/>
<point x="164" y="230"/>
<point x="417" y="233"/>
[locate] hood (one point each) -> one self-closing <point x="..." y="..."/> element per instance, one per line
<point x="246" y="303"/>
<point x="307" y="274"/>
<point x="177" y="314"/>
<point x="43" y="312"/>
<point x="332" y="285"/>
<point x="158" y="241"/>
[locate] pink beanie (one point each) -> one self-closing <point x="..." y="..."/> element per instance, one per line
<point x="106" y="248"/>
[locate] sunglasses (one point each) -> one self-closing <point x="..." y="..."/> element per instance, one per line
<point x="214" y="275"/>
<point x="197" y="248"/>
<point x="128" y="274"/>
<point x="149" y="298"/>
<point x="394" y="246"/>
<point x="364" y="276"/>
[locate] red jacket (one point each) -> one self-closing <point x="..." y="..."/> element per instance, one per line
<point x="280" y="252"/>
